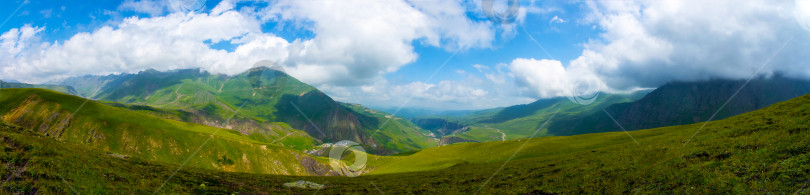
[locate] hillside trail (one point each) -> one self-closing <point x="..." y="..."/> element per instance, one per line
<point x="177" y="93"/>
<point x="503" y="135"/>
<point x="223" y="85"/>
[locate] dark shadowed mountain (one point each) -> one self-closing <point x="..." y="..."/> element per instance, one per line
<point x="439" y="127"/>
<point x="681" y="103"/>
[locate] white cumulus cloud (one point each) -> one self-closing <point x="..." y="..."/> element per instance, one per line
<point x="163" y="43"/>
<point x="649" y="43"/>
<point x="355" y="42"/>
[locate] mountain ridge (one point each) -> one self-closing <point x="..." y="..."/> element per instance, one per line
<point x="681" y="103"/>
<point x="261" y="94"/>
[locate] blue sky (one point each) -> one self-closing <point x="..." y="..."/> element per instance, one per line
<point x="383" y="53"/>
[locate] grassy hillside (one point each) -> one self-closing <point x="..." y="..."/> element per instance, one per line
<point x="762" y="151"/>
<point x="37" y="164"/>
<point x="75" y="120"/>
<point x="193" y="96"/>
<point x="765" y="151"/>
<point x="269" y="132"/>
<point x="264" y="97"/>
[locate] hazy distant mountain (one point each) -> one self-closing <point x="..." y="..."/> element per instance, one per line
<point x="422" y="112"/>
<point x="675" y="103"/>
<point x="520" y="121"/>
<point x="59" y="88"/>
<point x="90" y="85"/>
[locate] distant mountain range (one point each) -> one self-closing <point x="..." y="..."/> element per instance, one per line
<point x="681" y="103"/>
<point x="268" y="100"/>
<point x="521" y="121"/>
<point x="675" y="103"/>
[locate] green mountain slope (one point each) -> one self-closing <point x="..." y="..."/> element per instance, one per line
<point x="116" y="130"/>
<point x="36" y="164"/>
<point x="764" y="151"/>
<point x="262" y="96"/>
<point x="686" y="103"/>
<point x="394" y="132"/>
